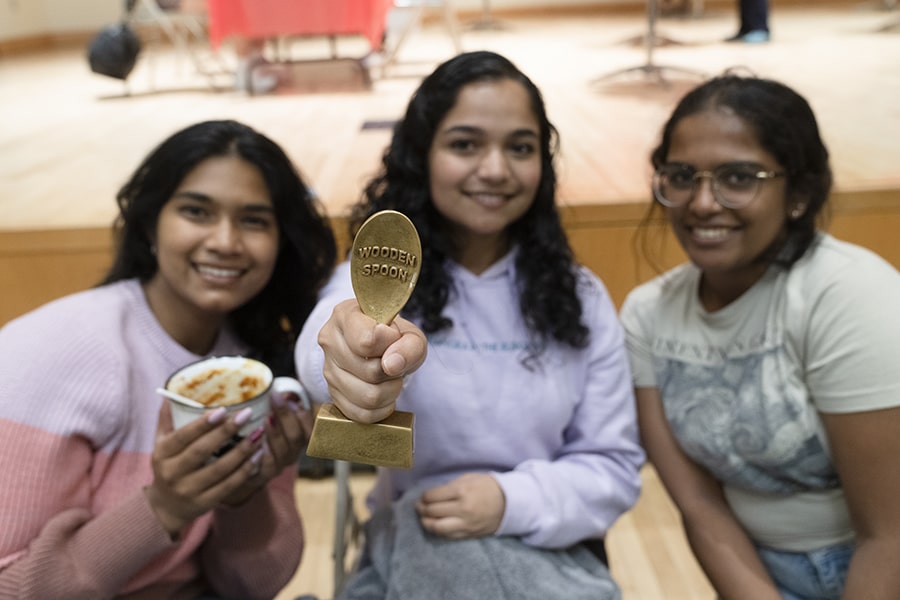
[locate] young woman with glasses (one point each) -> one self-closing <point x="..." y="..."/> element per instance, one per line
<point x="766" y="368"/>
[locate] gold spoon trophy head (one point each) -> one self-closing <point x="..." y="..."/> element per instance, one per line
<point x="384" y="267"/>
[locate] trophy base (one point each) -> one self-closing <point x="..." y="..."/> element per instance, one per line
<point x="387" y="443"/>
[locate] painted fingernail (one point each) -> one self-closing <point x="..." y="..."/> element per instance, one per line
<point x="216" y="415"/>
<point x="243" y="416"/>
<point x="257" y="456"/>
<point x="257" y="433"/>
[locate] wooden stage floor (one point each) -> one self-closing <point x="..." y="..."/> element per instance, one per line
<point x="69" y="138"/>
<point x="67" y="141"/>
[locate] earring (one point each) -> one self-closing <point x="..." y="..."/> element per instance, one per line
<point x="798" y="211"/>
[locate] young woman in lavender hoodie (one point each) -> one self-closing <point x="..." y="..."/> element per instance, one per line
<point x="526" y="446"/>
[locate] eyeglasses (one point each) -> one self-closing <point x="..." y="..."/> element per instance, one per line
<point x="733" y="185"/>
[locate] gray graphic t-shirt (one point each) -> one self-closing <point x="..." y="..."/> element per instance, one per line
<point x="746" y="424"/>
<point x="742" y="387"/>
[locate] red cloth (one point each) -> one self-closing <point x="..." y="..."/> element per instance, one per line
<point x="270" y="18"/>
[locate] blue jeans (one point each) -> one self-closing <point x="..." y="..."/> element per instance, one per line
<point x="816" y="575"/>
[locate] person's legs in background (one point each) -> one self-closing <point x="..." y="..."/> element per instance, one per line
<point x="754" y="16"/>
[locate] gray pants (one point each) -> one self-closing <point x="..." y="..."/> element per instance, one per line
<point x="404" y="562"/>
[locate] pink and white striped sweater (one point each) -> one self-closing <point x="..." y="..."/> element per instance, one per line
<point x="78" y="416"/>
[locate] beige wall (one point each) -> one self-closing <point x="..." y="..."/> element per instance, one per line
<point x="29" y="18"/>
<point x="21" y="18"/>
<point x="79" y="15"/>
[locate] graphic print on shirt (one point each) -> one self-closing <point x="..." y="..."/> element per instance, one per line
<point x="740" y="418"/>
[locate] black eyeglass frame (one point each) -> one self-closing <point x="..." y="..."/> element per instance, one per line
<point x="760" y="175"/>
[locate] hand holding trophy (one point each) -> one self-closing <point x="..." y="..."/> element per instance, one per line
<point x="384" y="265"/>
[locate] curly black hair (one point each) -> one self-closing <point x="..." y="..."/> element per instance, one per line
<point x="545" y="263"/>
<point x="271" y="321"/>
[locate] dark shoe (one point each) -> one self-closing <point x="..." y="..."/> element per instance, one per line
<point x="757" y="36"/>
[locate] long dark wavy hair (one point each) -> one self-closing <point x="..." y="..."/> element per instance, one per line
<point x="545" y="263"/>
<point x="786" y="128"/>
<point x="270" y="322"/>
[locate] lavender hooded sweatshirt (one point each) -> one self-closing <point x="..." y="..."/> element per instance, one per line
<point x="561" y="439"/>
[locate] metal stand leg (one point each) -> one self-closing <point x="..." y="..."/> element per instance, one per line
<point x="486" y="21"/>
<point x="651" y="37"/>
<point x="184" y="31"/>
<point x="887" y="5"/>
<point x="696" y="8"/>
<point x="452" y="25"/>
<point x="418" y="8"/>
<point x="687" y="8"/>
<point x="892" y="26"/>
<point x="347" y="528"/>
<point x="650" y="42"/>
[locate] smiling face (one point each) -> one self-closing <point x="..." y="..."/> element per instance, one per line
<point x="726" y="244"/>
<point x="485" y="167"/>
<point x="216" y="244"/>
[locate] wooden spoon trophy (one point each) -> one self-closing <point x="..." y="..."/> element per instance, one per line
<point x="384" y="267"/>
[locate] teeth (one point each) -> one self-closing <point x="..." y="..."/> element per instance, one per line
<point x="216" y="272"/>
<point x="489" y="199"/>
<point x="711" y="233"/>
